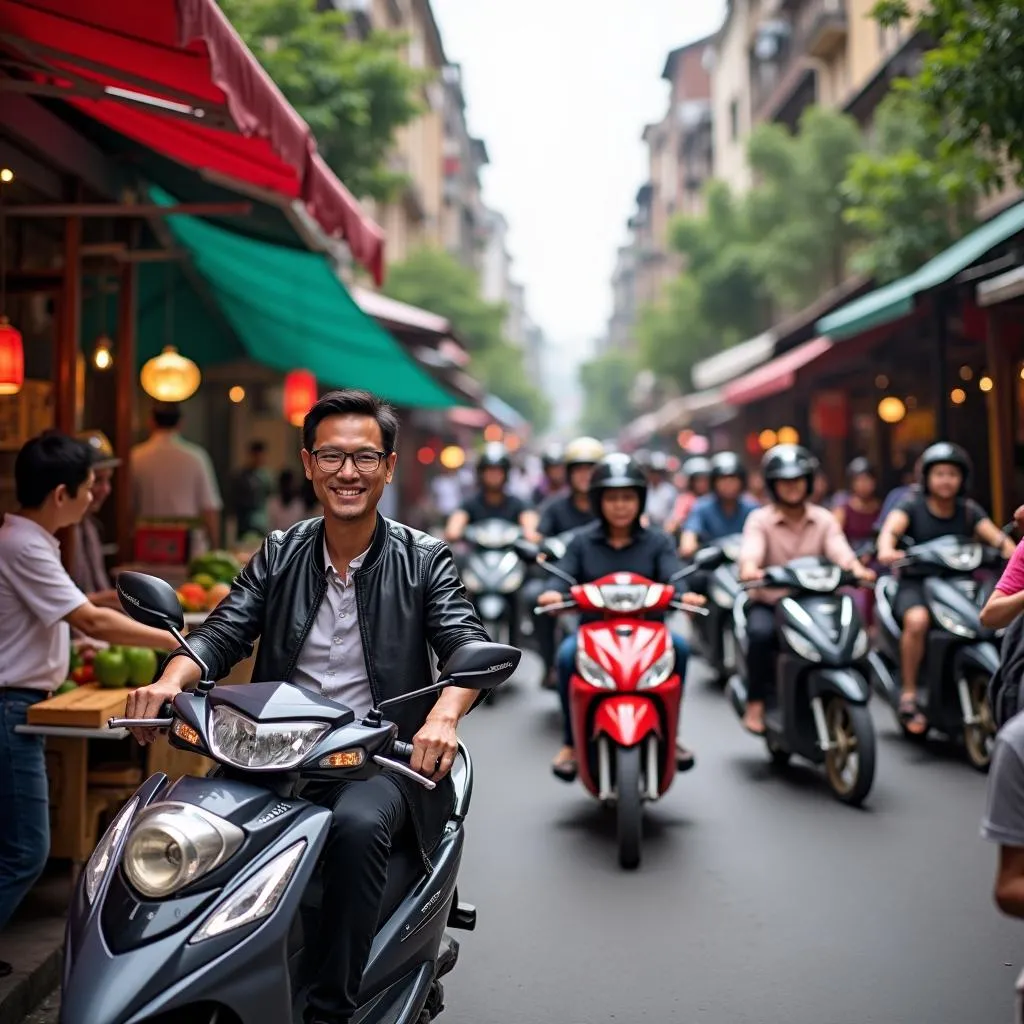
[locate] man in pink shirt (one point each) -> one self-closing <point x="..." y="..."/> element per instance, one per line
<point x="790" y="527"/>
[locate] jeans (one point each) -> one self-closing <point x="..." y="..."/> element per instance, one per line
<point x="24" y="803"/>
<point x="368" y="817"/>
<point x="761" y="647"/>
<point x="566" y="665"/>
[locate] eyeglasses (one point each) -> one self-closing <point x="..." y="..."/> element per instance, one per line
<point x="331" y="460"/>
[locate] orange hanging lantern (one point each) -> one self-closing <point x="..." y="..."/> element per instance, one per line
<point x="12" y="359"/>
<point x="300" y="396"/>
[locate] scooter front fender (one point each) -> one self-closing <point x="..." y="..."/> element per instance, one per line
<point x="245" y="970"/>
<point x="627" y="720"/>
<point x="838" y="682"/>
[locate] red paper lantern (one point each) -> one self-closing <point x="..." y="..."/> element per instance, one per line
<point x="300" y="396"/>
<point x="12" y="359"/>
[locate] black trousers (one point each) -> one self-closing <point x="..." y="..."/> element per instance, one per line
<point x="368" y="818"/>
<point x="761" y="647"/>
<point x="543" y="625"/>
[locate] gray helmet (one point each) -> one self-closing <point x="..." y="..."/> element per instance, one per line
<point x="494" y="454"/>
<point x="727" y="464"/>
<point x="944" y="453"/>
<point x="552" y="456"/>
<point x="788" y="462"/>
<point x="696" y="465"/>
<point x="860" y="466"/>
<point x="657" y="463"/>
<point x="615" y="471"/>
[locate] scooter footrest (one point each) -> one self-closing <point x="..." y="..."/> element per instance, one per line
<point x="463" y="915"/>
<point x="447" y="956"/>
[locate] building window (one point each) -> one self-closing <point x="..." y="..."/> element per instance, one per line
<point x="734" y="120"/>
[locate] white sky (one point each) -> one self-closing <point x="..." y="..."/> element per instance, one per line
<point x="560" y="91"/>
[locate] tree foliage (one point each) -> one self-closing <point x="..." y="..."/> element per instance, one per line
<point x="606" y="381"/>
<point x="435" y="280"/>
<point x="971" y="84"/>
<point x="353" y="93"/>
<point x="909" y="198"/>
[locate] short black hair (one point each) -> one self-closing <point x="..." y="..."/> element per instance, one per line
<point x="47" y="461"/>
<point x="167" y="415"/>
<point x="352" y="402"/>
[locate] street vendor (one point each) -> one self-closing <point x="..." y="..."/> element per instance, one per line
<point x="88" y="569"/>
<point x="54" y="476"/>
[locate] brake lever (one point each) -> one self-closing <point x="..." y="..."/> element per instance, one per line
<point x="548" y="609"/>
<point x="396" y="766"/>
<point x="693" y="609"/>
<point x="139" y="723"/>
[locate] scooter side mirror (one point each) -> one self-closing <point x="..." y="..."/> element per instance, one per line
<point x="150" y="600"/>
<point x="527" y="550"/>
<point x="709" y="558"/>
<point x="480" y="666"/>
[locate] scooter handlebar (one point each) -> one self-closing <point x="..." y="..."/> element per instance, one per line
<point x="402" y="751"/>
<point x="552" y="609"/>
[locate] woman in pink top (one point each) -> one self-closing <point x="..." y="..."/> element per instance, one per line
<point x="1007" y="600"/>
<point x="791" y="527"/>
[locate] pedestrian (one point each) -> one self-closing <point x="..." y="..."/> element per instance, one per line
<point x="1003" y="823"/>
<point x="89" y="570"/>
<point x="286" y="507"/>
<point x="53" y="477"/>
<point x="172" y="477"/>
<point x="250" y="490"/>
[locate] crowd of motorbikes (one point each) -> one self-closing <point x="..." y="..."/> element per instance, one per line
<point x="203" y="889"/>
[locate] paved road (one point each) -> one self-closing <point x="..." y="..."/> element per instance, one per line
<point x="760" y="900"/>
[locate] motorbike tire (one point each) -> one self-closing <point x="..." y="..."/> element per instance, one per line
<point x="979" y="739"/>
<point x="780" y="758"/>
<point x="850" y="727"/>
<point x="629" y="806"/>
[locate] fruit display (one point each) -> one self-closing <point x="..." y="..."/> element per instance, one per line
<point x="210" y="578"/>
<point x="111" y="668"/>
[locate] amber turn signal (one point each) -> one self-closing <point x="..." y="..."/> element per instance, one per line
<point x="185" y="732"/>
<point x="344" y="759"/>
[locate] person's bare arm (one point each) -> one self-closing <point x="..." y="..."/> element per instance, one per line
<point x="1009" y="888"/>
<point x="529" y="522"/>
<point x="988" y="533"/>
<point x="116" y="628"/>
<point x="436" y="743"/>
<point x="893" y="528"/>
<point x="456" y="526"/>
<point x="840" y="513"/>
<point x="105" y="599"/>
<point x="689" y="545"/>
<point x="1001" y="609"/>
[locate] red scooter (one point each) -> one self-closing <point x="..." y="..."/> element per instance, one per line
<point x="624" y="696"/>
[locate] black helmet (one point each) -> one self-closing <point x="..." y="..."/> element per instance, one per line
<point x="944" y="453"/>
<point x="696" y="465"/>
<point x="727" y="464"/>
<point x="613" y="471"/>
<point x="552" y="456"/>
<point x="860" y="466"/>
<point x="788" y="462"/>
<point x="494" y="454"/>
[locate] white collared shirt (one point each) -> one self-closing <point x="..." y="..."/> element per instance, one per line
<point x="173" y="477"/>
<point x="331" y="660"/>
<point x="36" y="594"/>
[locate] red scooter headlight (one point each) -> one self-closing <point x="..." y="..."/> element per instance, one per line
<point x="659" y="672"/>
<point x="592" y="672"/>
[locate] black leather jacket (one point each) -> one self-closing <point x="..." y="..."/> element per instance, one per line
<point x="408" y="596"/>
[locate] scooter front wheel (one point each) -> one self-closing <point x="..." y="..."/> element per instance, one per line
<point x="979" y="737"/>
<point x="850" y="760"/>
<point x="629" y="806"/>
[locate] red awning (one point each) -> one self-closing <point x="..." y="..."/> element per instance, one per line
<point x="777" y="375"/>
<point x="175" y="76"/>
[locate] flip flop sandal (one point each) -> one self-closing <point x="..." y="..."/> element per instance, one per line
<point x="754" y="732"/>
<point x="685" y="760"/>
<point x="911" y="718"/>
<point x="565" y="770"/>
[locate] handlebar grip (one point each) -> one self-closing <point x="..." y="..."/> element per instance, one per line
<point x="402" y="751"/>
<point x="166" y="710"/>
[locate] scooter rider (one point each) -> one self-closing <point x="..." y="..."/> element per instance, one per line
<point x="560" y="515"/>
<point x="346" y="606"/>
<point x="553" y="482"/>
<point x="790" y="527"/>
<point x="697" y="470"/>
<point x="493" y="500"/>
<point x="618" y="542"/>
<point x="939" y="509"/>
<point x="722" y="513"/>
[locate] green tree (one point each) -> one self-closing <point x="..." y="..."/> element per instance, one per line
<point x="606" y="381"/>
<point x="970" y="84"/>
<point x="435" y="280"/>
<point x="910" y="199"/>
<point x="353" y="93"/>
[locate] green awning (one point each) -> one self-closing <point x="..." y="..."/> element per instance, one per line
<point x="290" y="311"/>
<point x="884" y="305"/>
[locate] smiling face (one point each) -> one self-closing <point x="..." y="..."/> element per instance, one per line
<point x="944" y="481"/>
<point x="347" y="494"/>
<point x="101" y="488"/>
<point x="620" y="507"/>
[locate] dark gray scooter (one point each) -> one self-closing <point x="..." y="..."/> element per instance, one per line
<point x="194" y="906"/>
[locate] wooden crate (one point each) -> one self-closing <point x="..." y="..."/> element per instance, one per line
<point x="86" y="707"/>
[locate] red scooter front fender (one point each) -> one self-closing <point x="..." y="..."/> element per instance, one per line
<point x="627" y="719"/>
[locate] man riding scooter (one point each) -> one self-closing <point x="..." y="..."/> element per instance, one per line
<point x="616" y="543"/>
<point x="493" y="500"/>
<point x="790" y="527"/>
<point x="553" y="481"/>
<point x="939" y="509"/>
<point x="697" y="471"/>
<point x="563" y="514"/>
<point x="722" y="513"/>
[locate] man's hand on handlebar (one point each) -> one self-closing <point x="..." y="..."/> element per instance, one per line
<point x="146" y="702"/>
<point x="750" y="573"/>
<point x="862" y="572"/>
<point x="434" y="747"/>
<point x="550" y="597"/>
<point x="693" y="600"/>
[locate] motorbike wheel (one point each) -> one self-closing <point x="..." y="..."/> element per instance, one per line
<point x="979" y="739"/>
<point x="630" y="806"/>
<point x="850" y="763"/>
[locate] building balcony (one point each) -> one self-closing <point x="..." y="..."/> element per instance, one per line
<point x="822" y="26"/>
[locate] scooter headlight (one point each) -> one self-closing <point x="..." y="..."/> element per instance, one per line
<point x="102" y="856"/>
<point x="801" y="646"/>
<point x="255" y="899"/>
<point x="172" y="844"/>
<point x="860" y="645"/>
<point x="261" y="746"/>
<point x="471" y="581"/>
<point x="592" y="672"/>
<point x="949" y="622"/>
<point x="513" y="565"/>
<point x="659" y="672"/>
